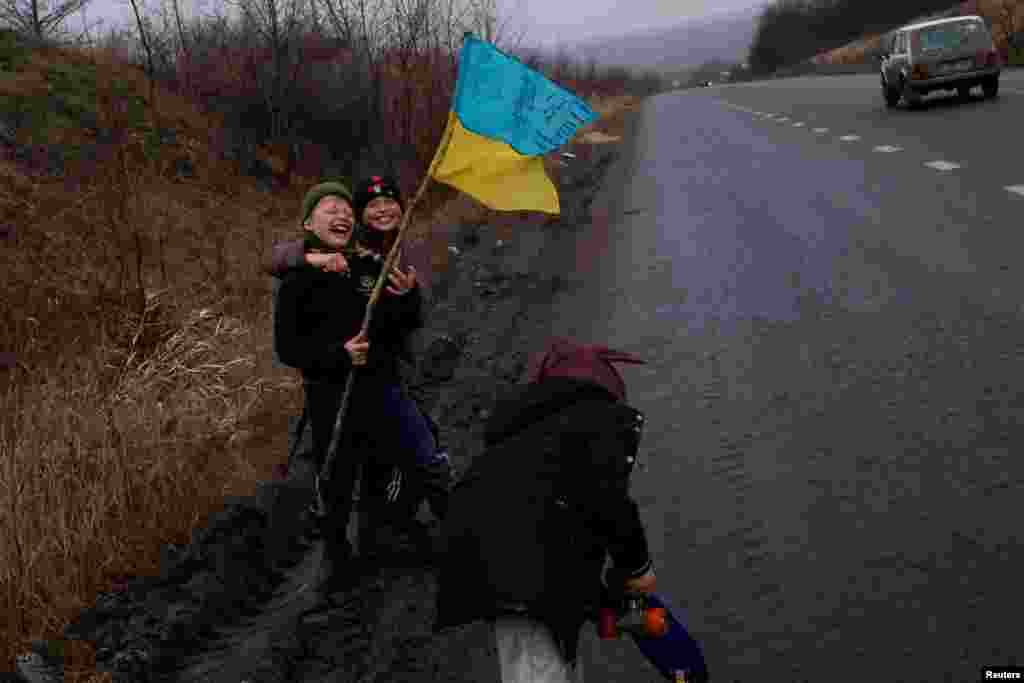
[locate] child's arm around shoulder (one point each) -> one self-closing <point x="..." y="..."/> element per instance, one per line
<point x="288" y="256"/>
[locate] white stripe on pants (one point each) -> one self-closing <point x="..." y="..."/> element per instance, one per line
<point x="528" y="653"/>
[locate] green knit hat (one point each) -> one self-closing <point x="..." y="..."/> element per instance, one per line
<point x="318" y="192"/>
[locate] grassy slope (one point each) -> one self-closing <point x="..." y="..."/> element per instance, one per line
<point x="131" y="413"/>
<point x="860" y="49"/>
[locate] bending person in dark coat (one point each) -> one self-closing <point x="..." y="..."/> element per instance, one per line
<point x="534" y="517"/>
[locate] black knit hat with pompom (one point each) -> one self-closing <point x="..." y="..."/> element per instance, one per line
<point x="374" y="186"/>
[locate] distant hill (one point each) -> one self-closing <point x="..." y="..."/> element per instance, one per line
<point x="724" y="37"/>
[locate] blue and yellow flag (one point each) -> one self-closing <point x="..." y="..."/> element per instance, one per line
<point x="505" y="117"/>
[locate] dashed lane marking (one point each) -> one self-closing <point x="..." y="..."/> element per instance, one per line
<point x="821" y="130"/>
<point x="942" y="165"/>
<point x="888" y="148"/>
<point x="798" y="125"/>
<point x="1016" y="189"/>
<point x="850" y="138"/>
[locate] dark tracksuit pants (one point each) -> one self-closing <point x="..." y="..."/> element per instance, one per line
<point x="382" y="425"/>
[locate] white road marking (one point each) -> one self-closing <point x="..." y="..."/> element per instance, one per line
<point x="798" y="125"/>
<point x="1016" y="189"/>
<point x="821" y="130"/>
<point x="888" y="148"/>
<point x="782" y="119"/>
<point x="942" y="165"/>
<point x="850" y="138"/>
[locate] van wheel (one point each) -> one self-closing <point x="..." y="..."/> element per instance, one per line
<point x="891" y="95"/>
<point x="963" y="92"/>
<point x="910" y="96"/>
<point x="990" y="86"/>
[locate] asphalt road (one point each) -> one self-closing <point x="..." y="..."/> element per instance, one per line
<point x="833" y="487"/>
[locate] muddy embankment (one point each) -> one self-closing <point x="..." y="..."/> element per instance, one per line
<point x="230" y="607"/>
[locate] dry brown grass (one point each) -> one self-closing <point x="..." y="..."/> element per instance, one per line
<point x="144" y="390"/>
<point x="133" y="410"/>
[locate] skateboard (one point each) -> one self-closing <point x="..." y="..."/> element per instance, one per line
<point x="657" y="632"/>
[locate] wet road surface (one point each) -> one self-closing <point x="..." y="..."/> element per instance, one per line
<point x="833" y="488"/>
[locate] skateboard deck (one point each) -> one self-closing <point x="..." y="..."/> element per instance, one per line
<point x="663" y="639"/>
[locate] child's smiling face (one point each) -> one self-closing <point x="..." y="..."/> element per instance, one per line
<point x="383" y="213"/>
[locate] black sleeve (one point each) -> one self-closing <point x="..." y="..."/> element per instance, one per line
<point x="302" y="348"/>
<point x="397" y="316"/>
<point x="406" y="310"/>
<point x="626" y="538"/>
<point x="613" y="514"/>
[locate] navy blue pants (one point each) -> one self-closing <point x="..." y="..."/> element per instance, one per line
<point x="383" y="426"/>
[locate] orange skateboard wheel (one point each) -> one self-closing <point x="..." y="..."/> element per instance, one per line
<point x="655" y="622"/>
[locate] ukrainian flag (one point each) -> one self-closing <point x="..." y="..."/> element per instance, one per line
<point x="504" y="118"/>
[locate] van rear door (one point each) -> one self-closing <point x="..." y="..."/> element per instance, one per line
<point x="952" y="48"/>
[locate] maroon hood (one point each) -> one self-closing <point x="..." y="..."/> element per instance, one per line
<point x="566" y="358"/>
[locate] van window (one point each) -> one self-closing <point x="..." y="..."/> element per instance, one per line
<point x="953" y="35"/>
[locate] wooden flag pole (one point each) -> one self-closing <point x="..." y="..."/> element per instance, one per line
<point x="324" y="476"/>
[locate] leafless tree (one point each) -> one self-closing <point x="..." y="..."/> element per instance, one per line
<point x="589" y="73"/>
<point x="364" y="27"/>
<point x="144" y="38"/>
<point x="273" y="24"/>
<point x="85" y="37"/>
<point x="484" y="21"/>
<point x="39" y="20"/>
<point x="561" y="68"/>
<point x="276" y="29"/>
<point x="184" y="44"/>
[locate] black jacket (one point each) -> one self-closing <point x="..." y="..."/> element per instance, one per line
<point x="318" y="312"/>
<point x="530" y="522"/>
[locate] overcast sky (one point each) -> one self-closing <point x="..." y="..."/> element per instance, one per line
<point x="568" y="21"/>
<point x="547" y="22"/>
